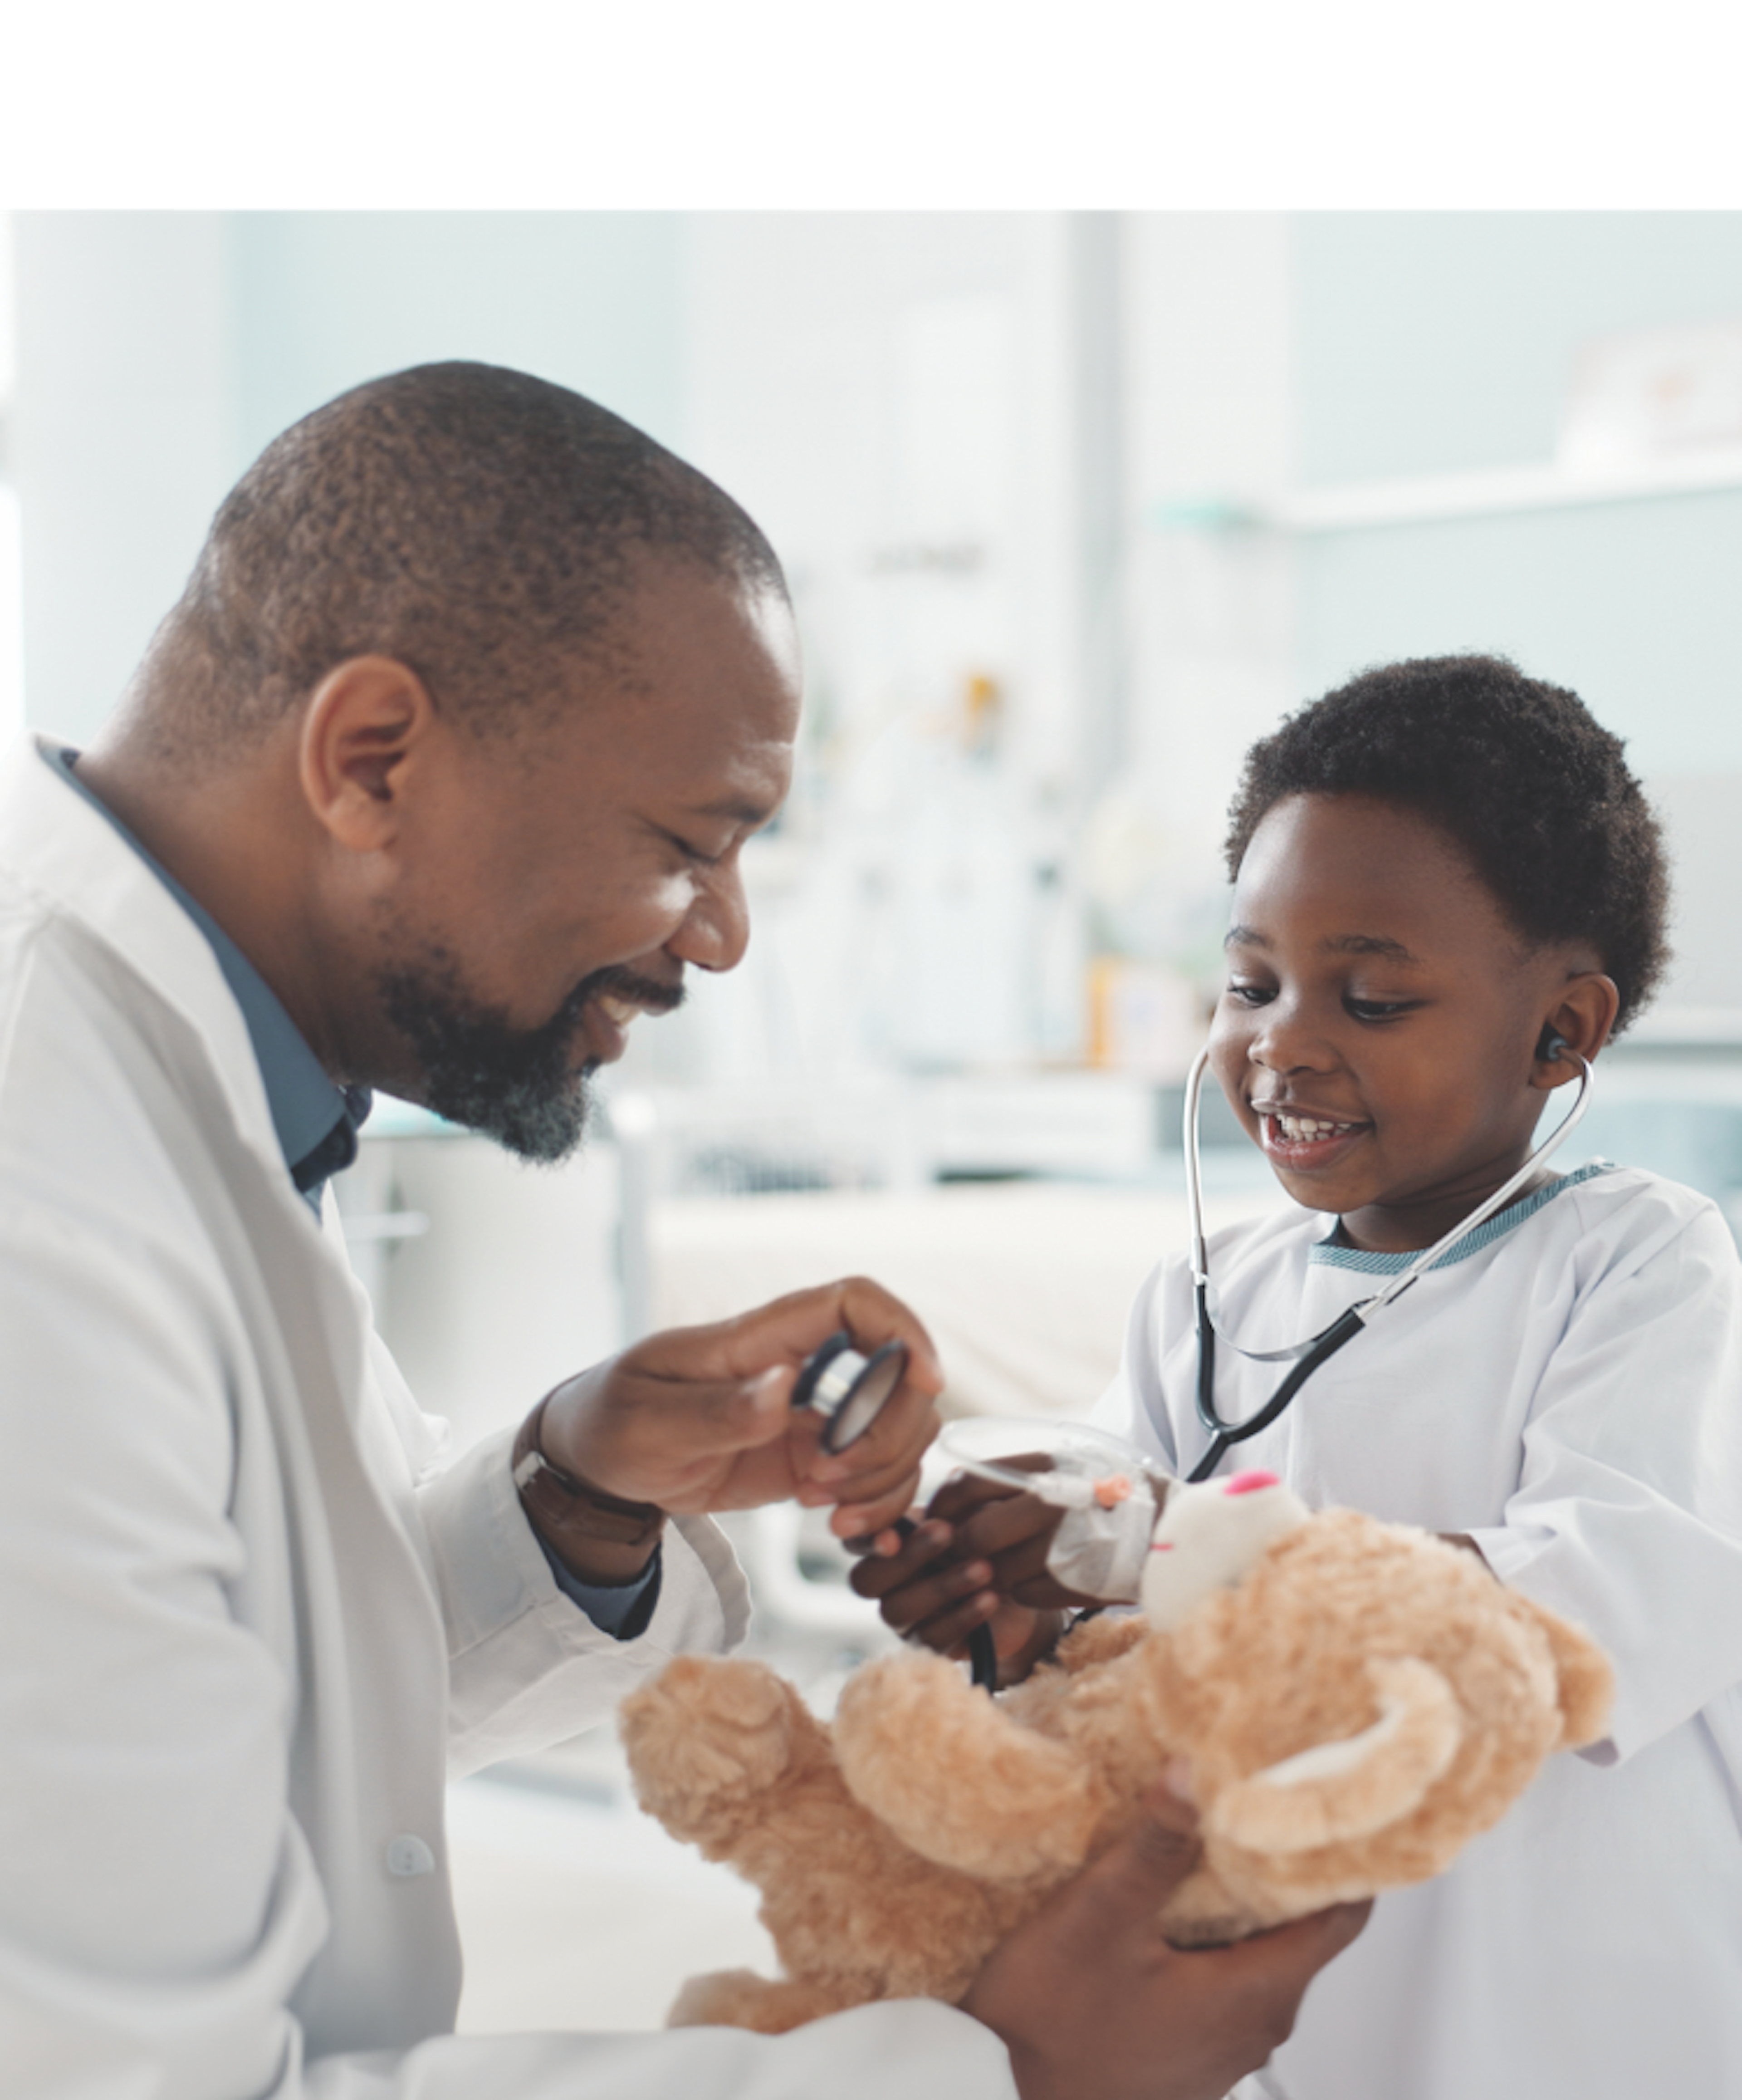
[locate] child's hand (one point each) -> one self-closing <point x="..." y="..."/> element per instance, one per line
<point x="977" y="1558"/>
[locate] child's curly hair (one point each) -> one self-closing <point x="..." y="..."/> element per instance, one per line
<point x="1517" y="772"/>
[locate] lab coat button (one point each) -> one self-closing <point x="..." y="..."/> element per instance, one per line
<point x="408" y="1855"/>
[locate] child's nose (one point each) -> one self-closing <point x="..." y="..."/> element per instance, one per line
<point x="1286" y="1041"/>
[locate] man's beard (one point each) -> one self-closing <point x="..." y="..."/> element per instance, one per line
<point x="519" y="1086"/>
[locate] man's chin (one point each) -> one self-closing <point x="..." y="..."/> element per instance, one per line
<point x="522" y="1087"/>
<point x="542" y="1129"/>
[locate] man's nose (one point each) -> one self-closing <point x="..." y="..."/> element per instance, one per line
<point x="715" y="930"/>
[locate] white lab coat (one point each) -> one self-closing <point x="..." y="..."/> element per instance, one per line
<point x="1571" y="1395"/>
<point x="247" y="1622"/>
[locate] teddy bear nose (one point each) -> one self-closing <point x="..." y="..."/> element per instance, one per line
<point x="1247" y="1483"/>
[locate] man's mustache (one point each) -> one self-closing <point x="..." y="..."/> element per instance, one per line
<point x="615" y="981"/>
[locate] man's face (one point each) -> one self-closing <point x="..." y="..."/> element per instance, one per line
<point x="554" y="887"/>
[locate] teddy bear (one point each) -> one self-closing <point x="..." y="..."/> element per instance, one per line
<point x="1356" y="1700"/>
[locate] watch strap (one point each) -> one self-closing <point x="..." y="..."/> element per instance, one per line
<point x="564" y="1508"/>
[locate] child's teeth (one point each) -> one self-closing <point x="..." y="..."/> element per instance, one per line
<point x="1305" y="1130"/>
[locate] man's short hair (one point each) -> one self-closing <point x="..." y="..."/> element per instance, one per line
<point x="481" y="526"/>
<point x="1533" y="790"/>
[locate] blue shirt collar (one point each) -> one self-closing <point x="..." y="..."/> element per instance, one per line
<point x="316" y="1121"/>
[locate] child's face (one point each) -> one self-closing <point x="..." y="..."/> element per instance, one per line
<point x="1377" y="1031"/>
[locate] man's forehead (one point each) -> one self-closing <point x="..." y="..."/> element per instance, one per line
<point x="713" y="644"/>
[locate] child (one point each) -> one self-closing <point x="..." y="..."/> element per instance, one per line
<point x="1439" y="869"/>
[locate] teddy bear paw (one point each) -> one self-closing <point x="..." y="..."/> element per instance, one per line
<point x="705" y="1739"/>
<point x="740" y="1998"/>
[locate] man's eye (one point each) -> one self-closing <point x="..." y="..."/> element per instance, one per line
<point x="694" y="853"/>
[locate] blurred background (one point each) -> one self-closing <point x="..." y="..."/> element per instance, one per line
<point x="1073" y="506"/>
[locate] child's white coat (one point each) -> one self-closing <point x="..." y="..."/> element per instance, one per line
<point x="1570" y="1395"/>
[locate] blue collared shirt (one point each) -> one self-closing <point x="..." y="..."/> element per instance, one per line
<point x="316" y="1123"/>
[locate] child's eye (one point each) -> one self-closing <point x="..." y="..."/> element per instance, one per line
<point x="1378" y="1009"/>
<point x="1251" y="994"/>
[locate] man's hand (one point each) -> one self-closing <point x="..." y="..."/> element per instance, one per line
<point x="979" y="1558"/>
<point x="701" y="1417"/>
<point x="1094" y="2005"/>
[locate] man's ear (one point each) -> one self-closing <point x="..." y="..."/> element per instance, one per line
<point x="364" y="725"/>
<point x="1577" y="1026"/>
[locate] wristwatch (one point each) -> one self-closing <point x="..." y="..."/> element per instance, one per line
<point x="607" y="1538"/>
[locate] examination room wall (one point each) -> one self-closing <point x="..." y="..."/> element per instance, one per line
<point x="1433" y="344"/>
<point x="1039" y="478"/>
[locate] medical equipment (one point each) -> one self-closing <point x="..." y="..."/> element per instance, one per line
<point x="1110" y="1493"/>
<point x="1308" y="1356"/>
<point x="849" y="1391"/>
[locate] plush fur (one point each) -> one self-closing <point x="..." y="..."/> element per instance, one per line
<point x="1362" y="1702"/>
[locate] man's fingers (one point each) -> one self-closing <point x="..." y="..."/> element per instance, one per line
<point x="857" y="1518"/>
<point x="1302" y="1947"/>
<point x="1135" y="1875"/>
<point x="1088" y="1979"/>
<point x="736" y="1414"/>
<point x="883" y="1461"/>
<point x="794" y="1325"/>
<point x="873" y="1465"/>
<point x="873" y="1315"/>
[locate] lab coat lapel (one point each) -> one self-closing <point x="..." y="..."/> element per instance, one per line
<point x="316" y="1458"/>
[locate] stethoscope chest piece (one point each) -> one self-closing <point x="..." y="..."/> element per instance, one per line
<point x="849" y="1391"/>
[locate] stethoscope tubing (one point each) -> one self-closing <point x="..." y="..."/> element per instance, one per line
<point x="1223" y="1435"/>
<point x="1317" y="1349"/>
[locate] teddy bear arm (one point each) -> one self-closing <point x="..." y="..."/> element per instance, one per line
<point x="957" y="1779"/>
<point x="1587" y="1681"/>
<point x="1357" y="1785"/>
<point x="710" y="1740"/>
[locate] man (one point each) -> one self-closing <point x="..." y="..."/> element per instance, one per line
<point x="437" y="776"/>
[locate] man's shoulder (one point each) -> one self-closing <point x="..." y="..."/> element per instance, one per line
<point x="99" y="1126"/>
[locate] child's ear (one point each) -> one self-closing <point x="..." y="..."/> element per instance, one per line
<point x="1577" y="1026"/>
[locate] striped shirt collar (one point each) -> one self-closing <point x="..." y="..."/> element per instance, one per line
<point x="1326" y="1255"/>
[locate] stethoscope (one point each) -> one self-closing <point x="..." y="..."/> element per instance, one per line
<point x="1318" y="1349"/>
<point x="850" y="1390"/>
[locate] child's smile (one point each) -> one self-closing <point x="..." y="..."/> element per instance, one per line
<point x="1378" y="1032"/>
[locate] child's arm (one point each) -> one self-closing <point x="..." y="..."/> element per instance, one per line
<point x="1627" y="1516"/>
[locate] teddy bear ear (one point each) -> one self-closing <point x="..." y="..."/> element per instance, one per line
<point x="1356" y="1785"/>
